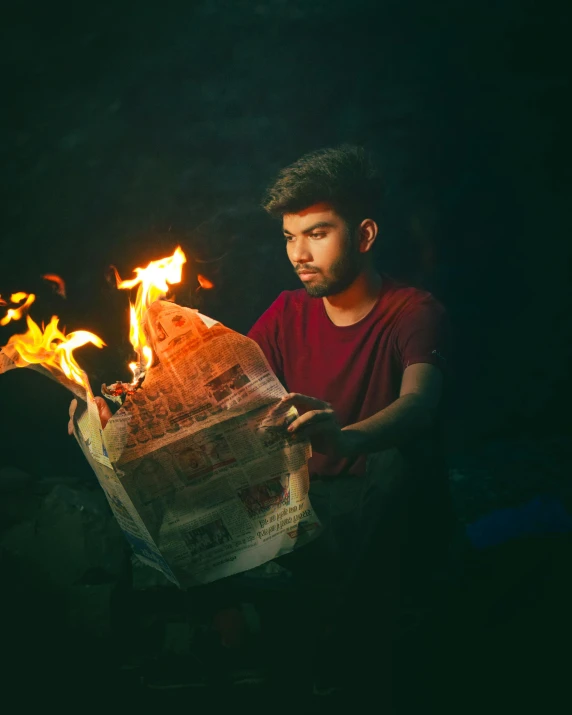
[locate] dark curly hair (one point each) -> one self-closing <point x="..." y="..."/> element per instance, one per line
<point x="343" y="177"/>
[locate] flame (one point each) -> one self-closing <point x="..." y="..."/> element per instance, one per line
<point x="60" y="286"/>
<point x="204" y="282"/>
<point x="153" y="283"/>
<point x="17" y="313"/>
<point x="50" y="347"/>
<point x="18" y="297"/>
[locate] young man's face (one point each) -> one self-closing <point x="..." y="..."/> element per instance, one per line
<point x="322" y="250"/>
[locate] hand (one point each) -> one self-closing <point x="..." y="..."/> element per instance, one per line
<point x="319" y="423"/>
<point x="102" y="408"/>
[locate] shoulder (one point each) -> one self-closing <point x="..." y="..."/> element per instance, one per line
<point x="419" y="324"/>
<point x="405" y="302"/>
<point x="421" y="327"/>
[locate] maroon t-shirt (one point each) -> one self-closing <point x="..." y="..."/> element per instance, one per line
<point x="356" y="368"/>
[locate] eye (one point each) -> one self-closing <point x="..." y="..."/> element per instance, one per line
<point x="317" y="234"/>
<point x="288" y="238"/>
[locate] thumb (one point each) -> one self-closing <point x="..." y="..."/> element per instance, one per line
<point x="104" y="411"/>
<point x="72" y="409"/>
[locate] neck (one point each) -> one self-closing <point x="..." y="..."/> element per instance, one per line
<point x="356" y="301"/>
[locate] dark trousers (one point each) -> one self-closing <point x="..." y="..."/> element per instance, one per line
<point x="348" y="584"/>
<point x="395" y="540"/>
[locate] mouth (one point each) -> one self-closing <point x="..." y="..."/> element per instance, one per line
<point x="306" y="274"/>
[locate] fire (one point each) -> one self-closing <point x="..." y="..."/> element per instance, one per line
<point x="204" y="282"/>
<point x="153" y="283"/>
<point x="59" y="283"/>
<point x="18" y="297"/>
<point x="17" y="313"/>
<point x="50" y="347"/>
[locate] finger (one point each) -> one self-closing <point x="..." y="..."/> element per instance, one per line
<point x="310" y="418"/>
<point x="72" y="409"/>
<point x="305" y="401"/>
<point x="298" y="397"/>
<point x="104" y="411"/>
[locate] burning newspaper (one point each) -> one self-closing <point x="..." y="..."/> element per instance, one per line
<point x="196" y="464"/>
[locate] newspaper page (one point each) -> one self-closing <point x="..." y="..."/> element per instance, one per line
<point x="197" y="465"/>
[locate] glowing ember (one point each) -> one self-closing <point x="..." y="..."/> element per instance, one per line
<point x="17" y="313"/>
<point x="51" y="348"/>
<point x="59" y="283"/>
<point x="204" y="282"/>
<point x="153" y="283"/>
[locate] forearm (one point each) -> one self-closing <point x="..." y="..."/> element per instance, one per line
<point x="398" y="423"/>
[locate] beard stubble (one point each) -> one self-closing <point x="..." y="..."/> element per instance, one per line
<point x="343" y="272"/>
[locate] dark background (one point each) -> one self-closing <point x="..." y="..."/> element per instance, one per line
<point x="128" y="128"/>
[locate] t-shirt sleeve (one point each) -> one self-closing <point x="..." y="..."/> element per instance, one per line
<point x="424" y="335"/>
<point x="266" y="332"/>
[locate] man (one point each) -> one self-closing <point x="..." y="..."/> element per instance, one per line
<point x="363" y="358"/>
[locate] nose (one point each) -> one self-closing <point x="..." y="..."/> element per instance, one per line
<point x="299" y="251"/>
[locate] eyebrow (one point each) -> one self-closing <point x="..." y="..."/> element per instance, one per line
<point x="313" y="227"/>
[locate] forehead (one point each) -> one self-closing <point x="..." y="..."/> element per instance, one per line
<point x="317" y="213"/>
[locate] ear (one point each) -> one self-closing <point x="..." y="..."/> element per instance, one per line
<point x="367" y="234"/>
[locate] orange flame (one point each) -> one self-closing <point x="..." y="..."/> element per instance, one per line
<point x="17" y="313"/>
<point x="51" y="348"/>
<point x="18" y="297"/>
<point x="204" y="282"/>
<point x="60" y="286"/>
<point x="153" y="283"/>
